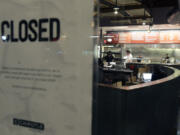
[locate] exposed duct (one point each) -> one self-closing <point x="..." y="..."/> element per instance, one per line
<point x="174" y="16"/>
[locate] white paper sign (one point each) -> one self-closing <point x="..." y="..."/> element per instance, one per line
<point x="46" y="67"/>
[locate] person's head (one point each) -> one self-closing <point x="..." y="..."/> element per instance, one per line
<point x="109" y="53"/>
<point x="128" y="52"/>
<point x="166" y="55"/>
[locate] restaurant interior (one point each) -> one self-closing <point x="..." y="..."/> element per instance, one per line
<point x="138" y="62"/>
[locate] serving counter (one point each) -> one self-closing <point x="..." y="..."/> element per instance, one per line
<point x="143" y="109"/>
<point x="176" y="65"/>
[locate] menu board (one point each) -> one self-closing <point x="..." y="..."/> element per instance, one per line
<point x="152" y="37"/>
<point x="46" y="67"/>
<point x="137" y="37"/>
<point x="170" y="37"/>
<point x="124" y="37"/>
<point x="112" y="38"/>
<point x="145" y="37"/>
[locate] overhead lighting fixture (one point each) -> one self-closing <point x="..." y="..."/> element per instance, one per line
<point x="144" y="18"/>
<point x="116" y="10"/>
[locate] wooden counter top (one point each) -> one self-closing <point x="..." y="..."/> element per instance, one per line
<point x="117" y="70"/>
<point x="155" y="63"/>
<point x="133" y="87"/>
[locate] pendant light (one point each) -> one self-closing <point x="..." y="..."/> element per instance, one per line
<point x="116" y="9"/>
<point x="144" y="20"/>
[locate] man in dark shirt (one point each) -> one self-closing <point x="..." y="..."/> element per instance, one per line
<point x="109" y="57"/>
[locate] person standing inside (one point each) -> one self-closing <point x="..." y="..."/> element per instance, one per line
<point x="109" y="57"/>
<point x="129" y="57"/>
<point x="167" y="59"/>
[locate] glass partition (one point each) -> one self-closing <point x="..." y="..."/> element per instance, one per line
<point x="137" y="71"/>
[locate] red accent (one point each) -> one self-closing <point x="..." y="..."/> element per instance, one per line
<point x="131" y="67"/>
<point x="144" y="37"/>
<point x="114" y="37"/>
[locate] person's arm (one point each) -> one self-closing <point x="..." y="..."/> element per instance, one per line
<point x="113" y="58"/>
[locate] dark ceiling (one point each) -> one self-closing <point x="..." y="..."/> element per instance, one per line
<point x="159" y="3"/>
<point x="135" y="12"/>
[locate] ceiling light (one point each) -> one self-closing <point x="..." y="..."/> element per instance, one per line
<point x="115" y="12"/>
<point x="144" y="18"/>
<point x="116" y="9"/>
